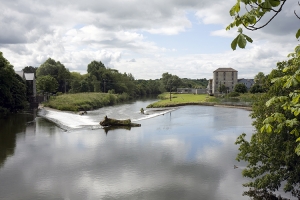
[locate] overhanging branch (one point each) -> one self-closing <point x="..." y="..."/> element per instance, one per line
<point x="253" y="28"/>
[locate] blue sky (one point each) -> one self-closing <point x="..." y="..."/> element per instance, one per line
<point x="144" y="38"/>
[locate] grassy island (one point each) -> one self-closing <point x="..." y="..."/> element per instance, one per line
<point x="84" y="101"/>
<point x="183" y="99"/>
<point x="244" y="100"/>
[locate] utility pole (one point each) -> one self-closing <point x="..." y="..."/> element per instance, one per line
<point x="170" y="85"/>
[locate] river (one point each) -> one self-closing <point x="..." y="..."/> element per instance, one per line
<point x="177" y="153"/>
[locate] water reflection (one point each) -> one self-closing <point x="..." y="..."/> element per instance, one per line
<point x="187" y="154"/>
<point x="10" y="126"/>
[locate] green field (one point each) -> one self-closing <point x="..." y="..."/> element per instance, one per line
<point x="84" y="101"/>
<point x="183" y="99"/>
<point x="204" y="99"/>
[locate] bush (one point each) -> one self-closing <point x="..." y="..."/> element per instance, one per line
<point x="256" y="89"/>
<point x="240" y="88"/>
<point x="233" y="94"/>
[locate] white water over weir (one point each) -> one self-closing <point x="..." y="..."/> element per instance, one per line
<point x="72" y="120"/>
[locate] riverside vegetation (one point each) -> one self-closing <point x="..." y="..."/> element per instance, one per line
<point x="178" y="99"/>
<point x="273" y="152"/>
<point x="93" y="100"/>
<point x="85" y="101"/>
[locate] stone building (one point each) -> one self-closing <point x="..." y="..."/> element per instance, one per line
<point x="223" y="76"/>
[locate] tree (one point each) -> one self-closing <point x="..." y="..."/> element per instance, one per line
<point x="259" y="78"/>
<point x="94" y="66"/>
<point x="260" y="83"/>
<point x="57" y="71"/>
<point x="12" y="88"/>
<point x="256" y="89"/>
<point x="270" y="154"/>
<point x="240" y="88"/>
<point x="222" y="88"/>
<point x="47" y="84"/>
<point x="271" y="157"/>
<point x="170" y="82"/>
<point x="255" y="11"/>
<point x="75" y="78"/>
<point x="30" y="69"/>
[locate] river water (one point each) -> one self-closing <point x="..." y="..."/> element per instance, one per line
<point x="177" y="153"/>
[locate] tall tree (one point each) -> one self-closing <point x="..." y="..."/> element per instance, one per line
<point x="57" y="71"/>
<point x="271" y="152"/>
<point x="47" y="84"/>
<point x="259" y="78"/>
<point x="271" y="157"/>
<point x="12" y="88"/>
<point x="30" y="69"/>
<point x="170" y="82"/>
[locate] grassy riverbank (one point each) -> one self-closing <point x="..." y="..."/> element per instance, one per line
<point x="84" y="101"/>
<point x="182" y="99"/>
<point x="244" y="100"/>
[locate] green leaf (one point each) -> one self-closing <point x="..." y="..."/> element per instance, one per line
<point x="275" y="79"/>
<point x="249" y="39"/>
<point x="289" y="82"/>
<point x="297" y="50"/>
<point x="296" y="99"/>
<point x="235" y="9"/>
<point x="241" y="41"/>
<point x="268" y="128"/>
<point x="298" y="34"/>
<point x="271" y="101"/>
<point x="274" y="3"/>
<point x="297" y="150"/>
<point x="292" y="122"/>
<point x="266" y="6"/>
<point x="234" y="43"/>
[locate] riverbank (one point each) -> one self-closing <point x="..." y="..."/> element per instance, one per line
<point x="201" y="99"/>
<point x="84" y="101"/>
<point x="91" y="101"/>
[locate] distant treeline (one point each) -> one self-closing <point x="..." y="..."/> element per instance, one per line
<point x="54" y="78"/>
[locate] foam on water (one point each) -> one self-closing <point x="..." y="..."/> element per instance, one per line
<point x="69" y="120"/>
<point x="154" y="113"/>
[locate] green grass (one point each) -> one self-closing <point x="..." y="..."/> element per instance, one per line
<point x="203" y="99"/>
<point x="182" y="99"/>
<point x="84" y="101"/>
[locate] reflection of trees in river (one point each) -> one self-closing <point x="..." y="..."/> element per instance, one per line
<point x="10" y="126"/>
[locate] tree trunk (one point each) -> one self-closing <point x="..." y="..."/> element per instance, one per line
<point x="115" y="122"/>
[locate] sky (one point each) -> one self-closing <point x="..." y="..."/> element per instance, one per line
<point x="186" y="38"/>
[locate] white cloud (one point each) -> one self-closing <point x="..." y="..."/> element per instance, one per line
<point x="78" y="32"/>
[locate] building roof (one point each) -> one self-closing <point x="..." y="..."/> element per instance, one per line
<point x="225" y="70"/>
<point x="243" y="79"/>
<point x="20" y="73"/>
<point x="29" y="76"/>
